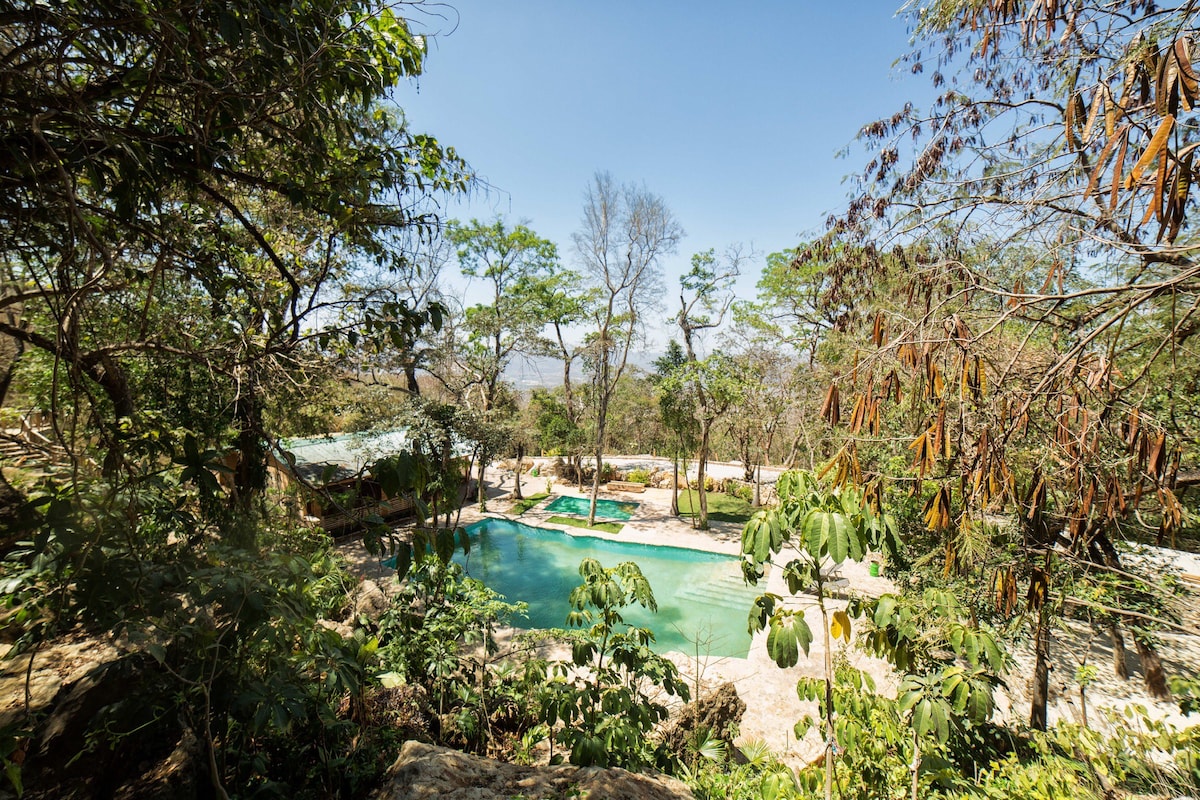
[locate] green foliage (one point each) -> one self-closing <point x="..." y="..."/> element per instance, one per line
<point x="874" y="741"/>
<point x="601" y="697"/>
<point x="439" y="634"/>
<point x="816" y="524"/>
<point x="557" y="428"/>
<point x="721" y="507"/>
<point x="577" y="522"/>
<point x="756" y="775"/>
<point x="1186" y="692"/>
<point x="920" y="634"/>
<point x="640" y="475"/>
<point x="521" y="506"/>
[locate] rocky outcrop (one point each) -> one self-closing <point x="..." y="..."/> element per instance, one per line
<point x="370" y="601"/>
<point x="425" y="772"/>
<point x="718" y="713"/>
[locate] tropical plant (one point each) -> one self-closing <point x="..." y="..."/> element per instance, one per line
<point x="819" y="528"/>
<point x="600" y="698"/>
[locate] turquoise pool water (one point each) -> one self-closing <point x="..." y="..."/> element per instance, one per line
<point x="700" y="595"/>
<point x="609" y="509"/>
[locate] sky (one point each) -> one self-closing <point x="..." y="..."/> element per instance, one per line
<point x="733" y="112"/>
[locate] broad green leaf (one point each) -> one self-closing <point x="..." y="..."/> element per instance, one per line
<point x="837" y="538"/>
<point x="403" y="561"/>
<point x="789" y="633"/>
<point x="923" y="716"/>
<point x="760" y="612"/>
<point x="857" y="541"/>
<point x="884" y="609"/>
<point x="776" y="785"/>
<point x="799" y="574"/>
<point x="815" y="528"/>
<point x="979" y="705"/>
<point x="941" y="719"/>
<point x="762" y="535"/>
<point x="993" y="655"/>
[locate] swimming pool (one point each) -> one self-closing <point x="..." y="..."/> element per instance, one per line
<point x="609" y="509"/>
<point x="701" y="596"/>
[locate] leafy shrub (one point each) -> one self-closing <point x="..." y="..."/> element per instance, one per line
<point x="756" y="775"/>
<point x="640" y="475"/>
<point x="427" y="639"/>
<point x="601" y="696"/>
<point x="741" y="491"/>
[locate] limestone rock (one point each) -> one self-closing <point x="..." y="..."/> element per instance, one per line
<point x="370" y="601"/>
<point x="718" y="712"/>
<point x="425" y="772"/>
<point x="343" y="629"/>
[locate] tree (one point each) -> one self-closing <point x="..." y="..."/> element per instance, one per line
<point x="794" y="301"/>
<point x="190" y="194"/>
<point x="564" y="301"/>
<point x="601" y="695"/>
<point x="1053" y="275"/>
<point x="714" y="385"/>
<point x="626" y="232"/>
<point x="557" y="429"/>
<point x="515" y="263"/>
<point x="675" y="408"/>
<point x="814" y="525"/>
<point x="122" y="200"/>
<point x="767" y="377"/>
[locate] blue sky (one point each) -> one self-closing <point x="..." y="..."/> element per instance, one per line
<point x="734" y="113"/>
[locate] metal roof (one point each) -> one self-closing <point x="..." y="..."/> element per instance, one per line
<point x="341" y="456"/>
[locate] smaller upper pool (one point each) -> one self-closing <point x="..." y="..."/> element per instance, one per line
<point x="609" y="509"/>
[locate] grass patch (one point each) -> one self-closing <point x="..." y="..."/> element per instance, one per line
<point x="521" y="506"/>
<point x="575" y="522"/>
<point x="721" y="507"/>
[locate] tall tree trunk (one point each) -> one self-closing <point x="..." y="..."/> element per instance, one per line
<point x="1041" y="672"/>
<point x="789" y="461"/>
<point x="595" y="487"/>
<point x="517" y="474"/>
<point x="675" y="482"/>
<point x="601" y="417"/>
<point x="112" y="379"/>
<point x="1120" y="665"/>
<point x="701" y="469"/>
<point x="747" y="459"/>
<point x="758" y="487"/>
<point x="482" y="492"/>
<point x="1153" y="676"/>
<point x="1152" y="669"/>
<point x="250" y="476"/>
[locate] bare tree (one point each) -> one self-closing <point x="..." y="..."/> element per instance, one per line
<point x="625" y="233"/>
